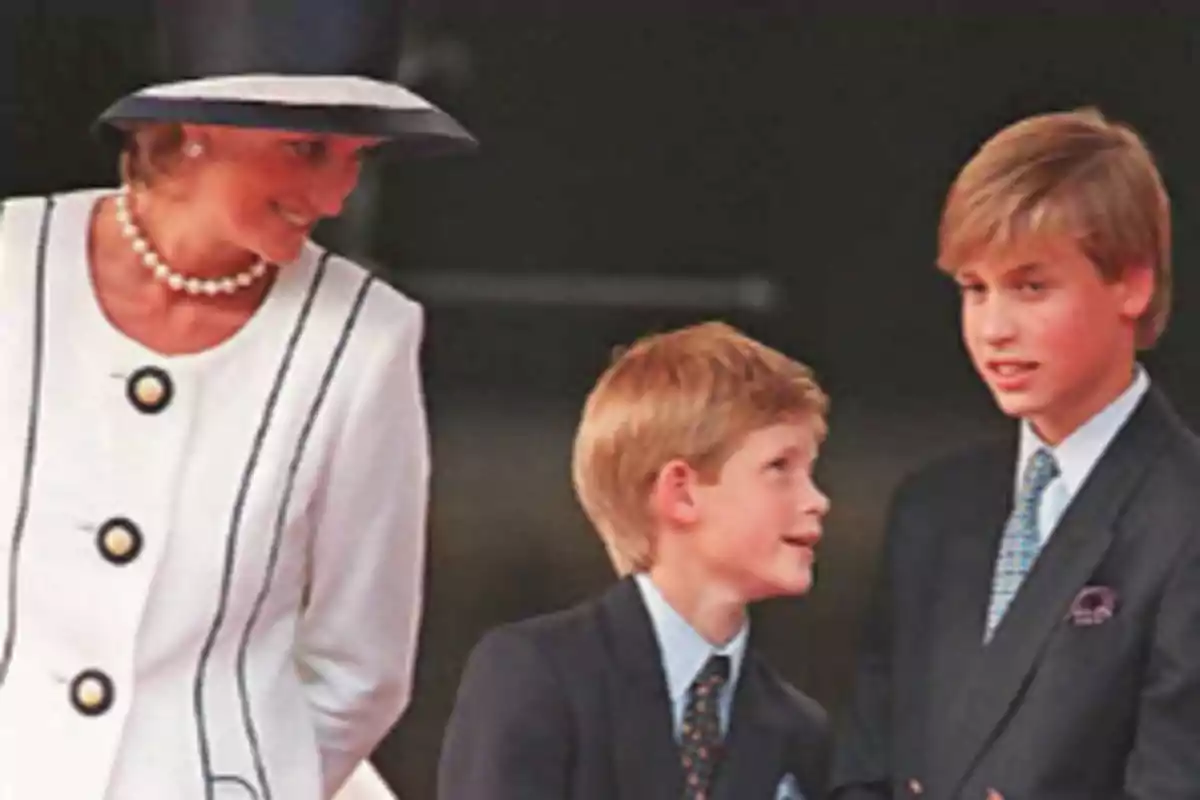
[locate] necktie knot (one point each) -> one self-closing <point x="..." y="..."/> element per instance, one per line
<point x="713" y="676"/>
<point x="1039" y="473"/>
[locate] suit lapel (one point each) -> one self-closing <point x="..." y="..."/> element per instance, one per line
<point x="998" y="678"/>
<point x="752" y="765"/>
<point x="646" y="754"/>
<point x="971" y="539"/>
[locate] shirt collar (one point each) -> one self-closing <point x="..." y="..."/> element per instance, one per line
<point x="1078" y="453"/>
<point x="684" y="650"/>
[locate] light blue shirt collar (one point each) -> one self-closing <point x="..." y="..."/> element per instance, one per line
<point x="685" y="651"/>
<point x="1078" y="453"/>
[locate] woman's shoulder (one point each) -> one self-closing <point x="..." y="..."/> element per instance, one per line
<point x="378" y="310"/>
<point x="26" y="220"/>
<point x="22" y="207"/>
<point x="32" y="200"/>
<point x="25" y="212"/>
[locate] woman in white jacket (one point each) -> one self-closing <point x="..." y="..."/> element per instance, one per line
<point x="213" y="449"/>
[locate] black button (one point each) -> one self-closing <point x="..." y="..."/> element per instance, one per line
<point x="92" y="693"/>
<point x="149" y="389"/>
<point x="119" y="541"/>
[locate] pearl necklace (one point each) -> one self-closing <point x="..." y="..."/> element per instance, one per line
<point x="177" y="281"/>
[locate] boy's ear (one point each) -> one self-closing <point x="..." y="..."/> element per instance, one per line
<point x="672" y="498"/>
<point x="1137" y="284"/>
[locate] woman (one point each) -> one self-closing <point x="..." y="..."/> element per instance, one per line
<point x="213" y="455"/>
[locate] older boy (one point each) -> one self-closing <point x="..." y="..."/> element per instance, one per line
<point x="1037" y="633"/>
<point x="694" y="461"/>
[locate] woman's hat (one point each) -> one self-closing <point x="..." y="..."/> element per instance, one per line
<point x="314" y="66"/>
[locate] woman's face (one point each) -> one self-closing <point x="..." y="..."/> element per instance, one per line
<point x="263" y="191"/>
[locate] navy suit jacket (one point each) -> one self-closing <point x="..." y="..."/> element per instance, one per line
<point x="1050" y="708"/>
<point x="574" y="706"/>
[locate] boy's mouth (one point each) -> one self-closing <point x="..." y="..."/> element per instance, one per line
<point x="803" y="540"/>
<point x="1010" y="373"/>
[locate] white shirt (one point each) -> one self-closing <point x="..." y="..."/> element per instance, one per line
<point x="262" y="638"/>
<point x="685" y="652"/>
<point x="1078" y="453"/>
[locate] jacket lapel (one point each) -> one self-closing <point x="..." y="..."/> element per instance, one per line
<point x="752" y="765"/>
<point x="646" y="754"/>
<point x="998" y="678"/>
<point x="971" y="539"/>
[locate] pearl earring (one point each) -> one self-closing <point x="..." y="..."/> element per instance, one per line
<point x="193" y="149"/>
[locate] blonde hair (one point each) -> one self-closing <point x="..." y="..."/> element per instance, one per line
<point x="1069" y="173"/>
<point x="151" y="152"/>
<point x="690" y="394"/>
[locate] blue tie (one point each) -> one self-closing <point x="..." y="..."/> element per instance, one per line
<point x="1021" y="541"/>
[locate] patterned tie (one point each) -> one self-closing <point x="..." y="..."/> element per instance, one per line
<point x="1021" y="541"/>
<point x="700" y="743"/>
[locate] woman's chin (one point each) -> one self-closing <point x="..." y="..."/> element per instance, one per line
<point x="282" y="252"/>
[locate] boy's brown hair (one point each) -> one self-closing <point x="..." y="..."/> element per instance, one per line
<point x="691" y="394"/>
<point x="1069" y="173"/>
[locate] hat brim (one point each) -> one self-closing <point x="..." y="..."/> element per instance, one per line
<point x="346" y="105"/>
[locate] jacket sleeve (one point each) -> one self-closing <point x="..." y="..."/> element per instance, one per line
<point x="509" y="736"/>
<point x="1162" y="764"/>
<point x="358" y="636"/>
<point x="862" y="763"/>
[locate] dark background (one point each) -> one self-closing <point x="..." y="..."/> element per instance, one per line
<point x="644" y="167"/>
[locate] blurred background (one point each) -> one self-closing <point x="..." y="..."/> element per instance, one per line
<point x="644" y="166"/>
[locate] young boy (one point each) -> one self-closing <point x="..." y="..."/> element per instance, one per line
<point x="694" y="461"/>
<point x="1037" y="633"/>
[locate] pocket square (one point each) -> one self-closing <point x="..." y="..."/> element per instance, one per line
<point x="789" y="789"/>
<point x="1093" y="605"/>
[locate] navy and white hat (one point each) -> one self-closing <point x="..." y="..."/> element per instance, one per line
<point x="315" y="66"/>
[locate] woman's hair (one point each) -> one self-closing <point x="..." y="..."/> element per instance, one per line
<point x="152" y="151"/>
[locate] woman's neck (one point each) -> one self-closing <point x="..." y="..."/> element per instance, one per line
<point x="182" y="237"/>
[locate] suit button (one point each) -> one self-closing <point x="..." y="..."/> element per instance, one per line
<point x="915" y="786"/>
<point x="149" y="389"/>
<point x="119" y="541"/>
<point x="91" y="693"/>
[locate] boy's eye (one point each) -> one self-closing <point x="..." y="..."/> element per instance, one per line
<point x="781" y="463"/>
<point x="970" y="288"/>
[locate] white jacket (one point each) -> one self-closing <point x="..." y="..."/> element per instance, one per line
<point x="219" y="597"/>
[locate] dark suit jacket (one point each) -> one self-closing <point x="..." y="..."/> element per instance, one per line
<point x="574" y="706"/>
<point x="1050" y="709"/>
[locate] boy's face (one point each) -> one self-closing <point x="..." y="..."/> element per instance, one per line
<point x="760" y="521"/>
<point x="1052" y="339"/>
